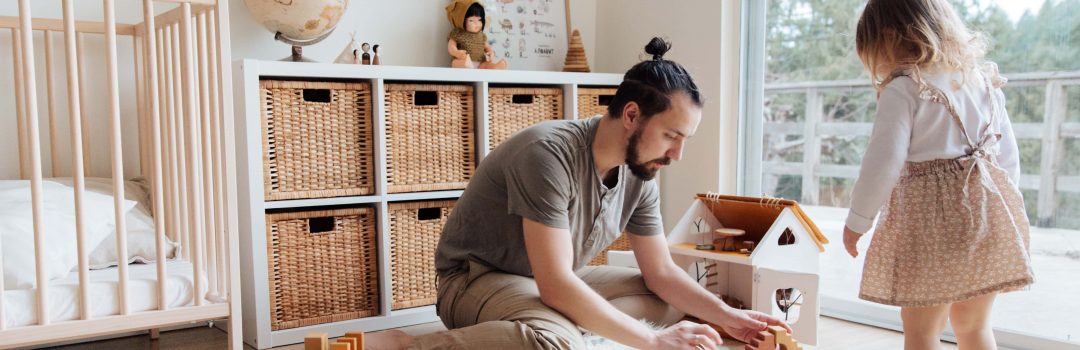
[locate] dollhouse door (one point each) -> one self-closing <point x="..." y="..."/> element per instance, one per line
<point x="792" y="297"/>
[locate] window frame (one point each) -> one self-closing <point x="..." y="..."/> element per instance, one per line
<point x="752" y="66"/>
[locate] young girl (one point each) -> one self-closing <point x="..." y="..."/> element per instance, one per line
<point x="953" y="232"/>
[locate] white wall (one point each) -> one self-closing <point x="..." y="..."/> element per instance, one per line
<point x="409" y="33"/>
<point x="694" y="29"/>
<point x="413" y="33"/>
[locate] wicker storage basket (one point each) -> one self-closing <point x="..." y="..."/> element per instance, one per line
<point x="621" y="243"/>
<point x="429" y="137"/>
<point x="317" y="139"/>
<point x="593" y="101"/>
<point x="323" y="266"/>
<point x="514" y="108"/>
<point x="415" y="228"/>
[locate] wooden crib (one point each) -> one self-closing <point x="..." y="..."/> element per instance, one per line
<point x="183" y="102"/>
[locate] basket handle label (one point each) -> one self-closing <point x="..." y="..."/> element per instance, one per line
<point x="604" y="100"/>
<point x="521" y="99"/>
<point x="426" y="98"/>
<point x="425" y="214"/>
<point x="323" y="224"/>
<point x="317" y="95"/>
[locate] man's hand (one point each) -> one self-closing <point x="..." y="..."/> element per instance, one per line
<point x="687" y="335"/>
<point x="851" y="238"/>
<point x="745" y="324"/>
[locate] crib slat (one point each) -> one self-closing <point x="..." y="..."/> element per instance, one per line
<point x="219" y="175"/>
<point x="192" y="149"/>
<point x="206" y="164"/>
<point x="166" y="148"/>
<point x="142" y="123"/>
<point x="117" y="153"/>
<point x="20" y="105"/>
<point x="54" y="158"/>
<point x="29" y="83"/>
<point x="155" y="137"/>
<point x="18" y="130"/>
<point x="166" y="135"/>
<point x="229" y="235"/>
<point x="80" y="43"/>
<point x="75" y="119"/>
<point x="181" y="145"/>
<point x="176" y="142"/>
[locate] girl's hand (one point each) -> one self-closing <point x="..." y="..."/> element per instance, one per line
<point x="851" y="238"/>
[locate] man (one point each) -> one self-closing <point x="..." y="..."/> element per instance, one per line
<point x="511" y="260"/>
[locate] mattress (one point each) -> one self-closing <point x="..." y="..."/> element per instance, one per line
<point x="20" y="305"/>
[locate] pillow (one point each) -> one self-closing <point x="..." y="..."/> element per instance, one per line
<point x="141" y="242"/>
<point x="141" y="236"/>
<point x="58" y="229"/>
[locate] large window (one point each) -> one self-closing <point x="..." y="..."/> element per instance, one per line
<point x="815" y="111"/>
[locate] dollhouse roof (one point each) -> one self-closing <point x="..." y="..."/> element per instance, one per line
<point x="756" y="215"/>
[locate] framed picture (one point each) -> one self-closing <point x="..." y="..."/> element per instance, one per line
<point x="529" y="34"/>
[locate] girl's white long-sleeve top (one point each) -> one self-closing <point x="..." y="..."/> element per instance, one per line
<point x="910" y="129"/>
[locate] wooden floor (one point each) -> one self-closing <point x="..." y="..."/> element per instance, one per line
<point x="834" y="334"/>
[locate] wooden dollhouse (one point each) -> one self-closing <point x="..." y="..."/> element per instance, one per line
<point x="774" y="267"/>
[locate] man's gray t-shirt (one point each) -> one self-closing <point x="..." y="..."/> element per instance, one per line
<point x="544" y="173"/>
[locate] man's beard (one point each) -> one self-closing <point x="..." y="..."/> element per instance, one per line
<point x="641" y="170"/>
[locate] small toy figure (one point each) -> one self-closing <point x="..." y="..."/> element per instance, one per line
<point x="375" y="54"/>
<point x="467" y="43"/>
<point x="365" y="58"/>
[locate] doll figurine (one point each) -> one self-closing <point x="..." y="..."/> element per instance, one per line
<point x="467" y="43"/>
<point x="375" y="55"/>
<point x="365" y="58"/>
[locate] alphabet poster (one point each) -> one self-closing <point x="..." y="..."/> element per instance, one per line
<point x="529" y="34"/>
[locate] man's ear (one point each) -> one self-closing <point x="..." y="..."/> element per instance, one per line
<point x="630" y="114"/>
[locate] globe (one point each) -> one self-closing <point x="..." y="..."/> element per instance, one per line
<point x="298" y="22"/>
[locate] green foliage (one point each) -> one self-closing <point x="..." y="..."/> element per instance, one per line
<point x="813" y="40"/>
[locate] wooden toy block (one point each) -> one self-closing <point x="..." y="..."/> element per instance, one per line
<point x="784" y="339"/>
<point x="771" y="338"/>
<point x="341" y="346"/>
<point x="764" y="340"/>
<point x="316" y="341"/>
<point x="359" y="336"/>
<point x="353" y="342"/>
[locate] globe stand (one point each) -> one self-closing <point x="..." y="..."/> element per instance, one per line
<point x="297" y="46"/>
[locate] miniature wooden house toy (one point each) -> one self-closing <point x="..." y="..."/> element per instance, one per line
<point x="774" y="266"/>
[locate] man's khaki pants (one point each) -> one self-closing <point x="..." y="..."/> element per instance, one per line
<point x="488" y="309"/>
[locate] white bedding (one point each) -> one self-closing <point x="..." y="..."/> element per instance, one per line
<point x="20" y="305"/>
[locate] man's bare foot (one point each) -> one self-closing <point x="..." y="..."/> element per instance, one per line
<point x="387" y="340"/>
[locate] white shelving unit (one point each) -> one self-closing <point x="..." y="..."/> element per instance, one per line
<point x="252" y="205"/>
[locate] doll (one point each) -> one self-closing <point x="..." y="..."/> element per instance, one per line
<point x="365" y="58"/>
<point x="467" y="43"/>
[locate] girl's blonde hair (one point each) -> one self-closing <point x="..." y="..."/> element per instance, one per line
<point x="894" y="34"/>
